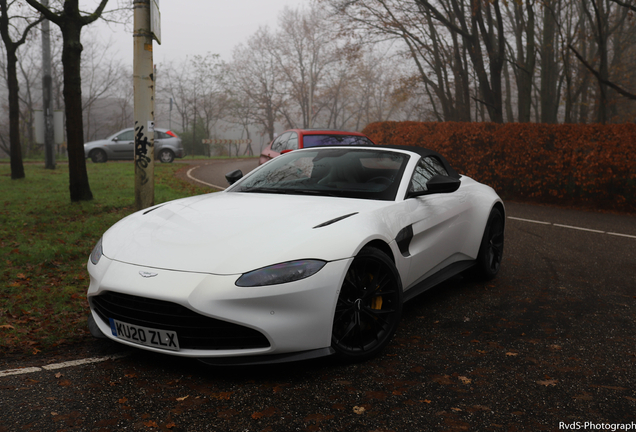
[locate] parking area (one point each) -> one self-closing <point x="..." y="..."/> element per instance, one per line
<point x="548" y="343"/>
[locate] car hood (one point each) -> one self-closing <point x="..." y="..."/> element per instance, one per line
<point x="234" y="232"/>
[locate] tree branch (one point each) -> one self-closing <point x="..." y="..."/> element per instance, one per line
<point x="598" y="75"/>
<point x="628" y="6"/>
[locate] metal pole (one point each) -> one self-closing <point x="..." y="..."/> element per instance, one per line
<point x="144" y="111"/>
<point x="47" y="94"/>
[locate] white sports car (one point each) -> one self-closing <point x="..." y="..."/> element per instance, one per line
<point x="311" y="254"/>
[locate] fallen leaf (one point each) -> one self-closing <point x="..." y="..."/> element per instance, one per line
<point x="481" y="408"/>
<point x="547" y="382"/>
<point x="512" y="354"/>
<point x="123" y="400"/>
<point x="183" y="398"/>
<point x="428" y="401"/>
<point x="170" y="425"/>
<point x="7" y="326"/>
<point x="443" y="380"/>
<point x="465" y="380"/>
<point x="58" y="375"/>
<point x="358" y="409"/>
<point x="585" y="396"/>
<point x="456" y="409"/>
<point x="151" y="423"/>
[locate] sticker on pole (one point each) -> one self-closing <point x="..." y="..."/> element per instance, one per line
<point x="151" y="126"/>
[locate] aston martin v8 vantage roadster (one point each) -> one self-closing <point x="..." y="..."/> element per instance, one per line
<point x="311" y="254"/>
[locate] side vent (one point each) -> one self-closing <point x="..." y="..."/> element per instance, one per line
<point x="403" y="240"/>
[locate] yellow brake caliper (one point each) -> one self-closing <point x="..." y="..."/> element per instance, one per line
<point x="376" y="302"/>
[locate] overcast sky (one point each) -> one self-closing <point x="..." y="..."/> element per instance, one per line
<point x="193" y="27"/>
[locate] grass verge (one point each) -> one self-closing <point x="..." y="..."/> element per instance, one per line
<point x="45" y="241"/>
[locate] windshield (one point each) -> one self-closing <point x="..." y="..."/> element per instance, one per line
<point x="359" y="173"/>
<point x="334" y="140"/>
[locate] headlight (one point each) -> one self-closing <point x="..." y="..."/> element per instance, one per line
<point x="280" y="273"/>
<point x="97" y="252"/>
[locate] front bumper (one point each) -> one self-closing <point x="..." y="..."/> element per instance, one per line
<point x="294" y="317"/>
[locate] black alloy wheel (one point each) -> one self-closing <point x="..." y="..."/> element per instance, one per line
<point x="369" y="306"/>
<point x="492" y="247"/>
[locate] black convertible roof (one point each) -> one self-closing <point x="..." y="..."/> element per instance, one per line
<point x="424" y="152"/>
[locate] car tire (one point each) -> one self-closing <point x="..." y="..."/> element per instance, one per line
<point x="166" y="156"/>
<point x="491" y="248"/>
<point x="98" y="156"/>
<point x="369" y="306"/>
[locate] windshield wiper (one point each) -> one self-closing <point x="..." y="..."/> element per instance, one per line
<point x="264" y="190"/>
<point x="288" y="191"/>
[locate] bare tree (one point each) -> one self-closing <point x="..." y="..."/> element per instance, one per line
<point x="71" y="20"/>
<point x="105" y="80"/>
<point x="198" y="93"/>
<point x="11" y="48"/>
<point x="254" y="78"/>
<point x="439" y="57"/>
<point x="305" y="48"/>
<point x="523" y="56"/>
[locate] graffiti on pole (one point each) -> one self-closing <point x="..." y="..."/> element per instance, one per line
<point x="142" y="148"/>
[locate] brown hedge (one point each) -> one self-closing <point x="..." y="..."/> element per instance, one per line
<point x="586" y="164"/>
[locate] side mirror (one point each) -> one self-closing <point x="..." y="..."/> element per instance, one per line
<point x="442" y="184"/>
<point x="234" y="176"/>
<point x="115" y="139"/>
<point x="437" y="184"/>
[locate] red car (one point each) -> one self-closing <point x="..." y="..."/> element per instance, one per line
<point x="300" y="138"/>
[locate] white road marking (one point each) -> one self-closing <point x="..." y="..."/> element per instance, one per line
<point x="201" y="181"/>
<point x="19" y="371"/>
<point x="621" y="235"/>
<point x="67" y="364"/>
<point x="572" y="227"/>
<point x="530" y="220"/>
<point x="579" y="228"/>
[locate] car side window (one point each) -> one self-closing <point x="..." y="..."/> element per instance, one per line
<point x="128" y="135"/>
<point x="292" y="142"/>
<point x="279" y="143"/>
<point x="160" y="135"/>
<point x="426" y="168"/>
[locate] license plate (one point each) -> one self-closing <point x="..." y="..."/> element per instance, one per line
<point x="163" y="339"/>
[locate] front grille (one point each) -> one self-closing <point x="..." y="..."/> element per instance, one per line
<point x="194" y="331"/>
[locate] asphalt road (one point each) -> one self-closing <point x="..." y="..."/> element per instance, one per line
<point x="549" y="343"/>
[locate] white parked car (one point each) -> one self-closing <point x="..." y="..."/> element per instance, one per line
<point x="311" y="254"/>
<point x="121" y="146"/>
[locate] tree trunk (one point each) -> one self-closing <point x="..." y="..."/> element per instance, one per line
<point x="549" y="67"/>
<point x="71" y="56"/>
<point x="17" y="166"/>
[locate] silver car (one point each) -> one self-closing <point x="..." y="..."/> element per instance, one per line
<point x="122" y="146"/>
